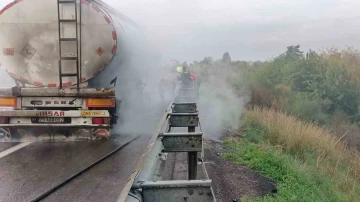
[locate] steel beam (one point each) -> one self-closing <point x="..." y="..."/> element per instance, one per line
<point x="177" y="191"/>
<point x="182" y="142"/>
<point x="184" y="108"/>
<point x="184" y="119"/>
<point x="146" y="185"/>
<point x="147" y="164"/>
<point x="182" y="134"/>
<point x="192" y="158"/>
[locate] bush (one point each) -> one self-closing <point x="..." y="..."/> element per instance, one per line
<point x="261" y="97"/>
<point x="316" y="86"/>
<point x="307" y="161"/>
<point x="306" y="108"/>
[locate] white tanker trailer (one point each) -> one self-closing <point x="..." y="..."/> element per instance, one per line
<point x="65" y="56"/>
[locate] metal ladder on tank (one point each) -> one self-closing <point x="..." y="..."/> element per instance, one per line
<point x="76" y="39"/>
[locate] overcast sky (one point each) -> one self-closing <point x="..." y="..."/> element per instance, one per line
<point x="248" y="29"/>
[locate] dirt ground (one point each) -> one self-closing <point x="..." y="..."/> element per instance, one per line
<point x="231" y="181"/>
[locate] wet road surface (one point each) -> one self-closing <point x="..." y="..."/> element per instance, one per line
<point x="30" y="171"/>
<point x="34" y="169"/>
<point x="6" y="145"/>
<point x="105" y="181"/>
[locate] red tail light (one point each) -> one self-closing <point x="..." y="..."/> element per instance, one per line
<point x="106" y="120"/>
<point x="97" y="120"/>
<point x="4" y="120"/>
<point x="100" y="120"/>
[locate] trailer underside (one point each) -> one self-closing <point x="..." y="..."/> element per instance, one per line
<point x="85" y="113"/>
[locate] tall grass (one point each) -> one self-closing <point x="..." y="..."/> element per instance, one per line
<point x="311" y="143"/>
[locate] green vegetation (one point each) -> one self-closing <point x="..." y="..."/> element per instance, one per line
<point x="303" y="113"/>
<point x="307" y="163"/>
<point x="314" y="86"/>
<point x="323" y="82"/>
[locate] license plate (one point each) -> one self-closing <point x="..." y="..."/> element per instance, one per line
<point x="92" y="113"/>
<point x="51" y="120"/>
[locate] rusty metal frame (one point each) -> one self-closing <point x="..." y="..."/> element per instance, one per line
<point x="184" y="119"/>
<point x="144" y="179"/>
<point x="51" y="113"/>
<point x="55" y="126"/>
<point x="177" y="191"/>
<point x="57" y="92"/>
<point x="182" y="142"/>
<point x="63" y="102"/>
<point x="148" y="159"/>
<point x="184" y="108"/>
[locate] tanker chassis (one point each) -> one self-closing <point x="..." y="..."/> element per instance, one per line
<point x="86" y="112"/>
<point x="59" y="61"/>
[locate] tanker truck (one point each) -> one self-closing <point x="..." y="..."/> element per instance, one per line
<point x="66" y="57"/>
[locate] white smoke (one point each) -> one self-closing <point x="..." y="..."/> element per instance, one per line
<point x="138" y="84"/>
<point x="5" y="79"/>
<point x="220" y="106"/>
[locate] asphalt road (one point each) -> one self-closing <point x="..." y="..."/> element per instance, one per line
<point x="33" y="169"/>
<point x="6" y="145"/>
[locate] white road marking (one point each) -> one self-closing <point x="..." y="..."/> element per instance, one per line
<point x="13" y="149"/>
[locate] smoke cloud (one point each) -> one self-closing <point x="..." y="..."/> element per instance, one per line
<point x="138" y="75"/>
<point x="141" y="108"/>
<point x="6" y="80"/>
<point x="220" y="106"/>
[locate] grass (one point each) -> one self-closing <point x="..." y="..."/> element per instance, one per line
<point x="306" y="161"/>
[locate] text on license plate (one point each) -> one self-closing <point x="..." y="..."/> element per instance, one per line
<point x="93" y="113"/>
<point x="50" y="120"/>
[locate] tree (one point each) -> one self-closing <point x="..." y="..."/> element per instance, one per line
<point x="226" y="58"/>
<point x="207" y="60"/>
<point x="293" y="53"/>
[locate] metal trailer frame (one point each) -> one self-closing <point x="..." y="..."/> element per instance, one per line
<point x="67" y="104"/>
<point x="57" y="92"/>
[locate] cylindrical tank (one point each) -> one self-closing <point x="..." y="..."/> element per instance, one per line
<point x="29" y="42"/>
